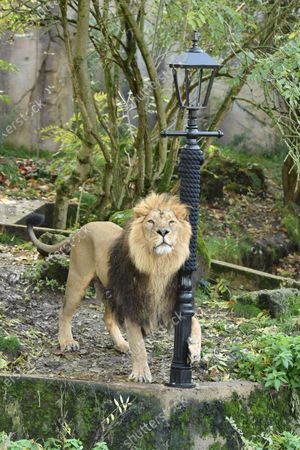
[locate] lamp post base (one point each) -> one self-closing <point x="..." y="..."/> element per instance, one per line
<point x="181" y="377"/>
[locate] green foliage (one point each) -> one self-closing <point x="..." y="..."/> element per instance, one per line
<point x="10" y="345"/>
<point x="10" y="170"/>
<point x="6" y="67"/>
<point x="11" y="152"/>
<point x="51" y="273"/>
<point x="247" y="311"/>
<point x="273" y="359"/>
<point x="49" y="444"/>
<point x="121" y="217"/>
<point x="291" y="223"/>
<point x="10" y="239"/>
<point x="268" y="440"/>
<point x="226" y="249"/>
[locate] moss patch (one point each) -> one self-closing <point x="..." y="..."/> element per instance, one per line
<point x="42" y="408"/>
<point x="10" y="345"/>
<point x="245" y="310"/>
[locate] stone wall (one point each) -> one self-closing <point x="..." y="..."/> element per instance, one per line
<point x="41" y="93"/>
<point x="157" y="417"/>
<point x="40" y="88"/>
<point x="245" y="126"/>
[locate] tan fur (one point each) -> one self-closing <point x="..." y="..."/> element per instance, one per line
<point x="158" y="256"/>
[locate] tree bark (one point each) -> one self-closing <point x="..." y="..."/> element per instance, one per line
<point x="77" y="60"/>
<point x="291" y="182"/>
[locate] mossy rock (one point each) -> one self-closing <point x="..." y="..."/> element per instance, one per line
<point x="246" y="310"/>
<point x="55" y="267"/>
<point x="51" y="238"/>
<point x="277" y="301"/>
<point x="121" y="217"/>
<point x="156" y="418"/>
<point x="223" y="173"/>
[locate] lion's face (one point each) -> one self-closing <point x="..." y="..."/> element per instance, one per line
<point x="159" y="234"/>
<point x="161" y="229"/>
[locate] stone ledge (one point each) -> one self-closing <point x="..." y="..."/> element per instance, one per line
<point x="159" y="416"/>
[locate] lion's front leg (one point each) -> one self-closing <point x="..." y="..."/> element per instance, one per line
<point x="194" y="342"/>
<point x="140" y="369"/>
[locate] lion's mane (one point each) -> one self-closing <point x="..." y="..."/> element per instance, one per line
<point x="143" y="285"/>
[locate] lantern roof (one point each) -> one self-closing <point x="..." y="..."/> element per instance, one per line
<point x="195" y="58"/>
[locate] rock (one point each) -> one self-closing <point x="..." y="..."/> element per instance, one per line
<point x="267" y="252"/>
<point x="55" y="267"/>
<point x="276" y="301"/>
<point x="221" y="173"/>
<point x="52" y="238"/>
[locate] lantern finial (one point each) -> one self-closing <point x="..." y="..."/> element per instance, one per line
<point x="195" y="47"/>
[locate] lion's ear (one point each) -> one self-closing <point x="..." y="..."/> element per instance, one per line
<point x="181" y="212"/>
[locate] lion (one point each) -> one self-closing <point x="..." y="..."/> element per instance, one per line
<point x="136" y="272"/>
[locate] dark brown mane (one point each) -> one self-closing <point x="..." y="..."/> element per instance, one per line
<point x="130" y="288"/>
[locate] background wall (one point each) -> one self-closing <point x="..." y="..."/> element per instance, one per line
<point x="40" y="90"/>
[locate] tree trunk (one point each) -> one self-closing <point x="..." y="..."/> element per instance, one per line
<point x="60" y="212"/>
<point x="290" y="182"/>
<point x="77" y="60"/>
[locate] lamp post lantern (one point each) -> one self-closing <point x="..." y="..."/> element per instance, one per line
<point x="194" y="63"/>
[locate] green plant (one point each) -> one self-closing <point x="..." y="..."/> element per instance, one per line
<point x="10" y="239"/>
<point x="273" y="359"/>
<point x="226" y="249"/>
<point x="269" y="440"/>
<point x="10" y="345"/>
<point x="292" y="225"/>
<point x="49" y="444"/>
<point x="245" y="310"/>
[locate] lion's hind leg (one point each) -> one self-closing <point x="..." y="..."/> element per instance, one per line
<point x="110" y="320"/>
<point x="75" y="290"/>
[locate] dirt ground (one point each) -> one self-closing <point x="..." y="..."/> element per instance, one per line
<point x="32" y="317"/>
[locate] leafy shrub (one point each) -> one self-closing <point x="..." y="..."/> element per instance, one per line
<point x="49" y="444"/>
<point x="273" y="359"/>
<point x="268" y="440"/>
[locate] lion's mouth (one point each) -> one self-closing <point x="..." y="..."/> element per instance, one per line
<point x="163" y="248"/>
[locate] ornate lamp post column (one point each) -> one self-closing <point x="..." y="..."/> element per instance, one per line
<point x="194" y="62"/>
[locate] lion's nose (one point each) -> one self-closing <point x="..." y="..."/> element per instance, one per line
<point x="162" y="231"/>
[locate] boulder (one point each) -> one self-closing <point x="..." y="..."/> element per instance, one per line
<point x="55" y="267"/>
<point x="276" y="301"/>
<point x="52" y="238"/>
<point x="223" y="173"/>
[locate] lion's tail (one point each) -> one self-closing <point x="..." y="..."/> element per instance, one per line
<point x="34" y="220"/>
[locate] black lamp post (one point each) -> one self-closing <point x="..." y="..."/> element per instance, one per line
<point x="193" y="62"/>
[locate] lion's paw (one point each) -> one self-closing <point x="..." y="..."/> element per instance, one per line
<point x="194" y="351"/>
<point x="141" y="374"/>
<point x="71" y="346"/>
<point x="122" y="347"/>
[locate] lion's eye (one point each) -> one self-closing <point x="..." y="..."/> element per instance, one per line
<point x="150" y="221"/>
<point x="171" y="222"/>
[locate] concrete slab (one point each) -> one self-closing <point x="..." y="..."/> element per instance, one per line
<point x="156" y="416"/>
<point x="13" y="210"/>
